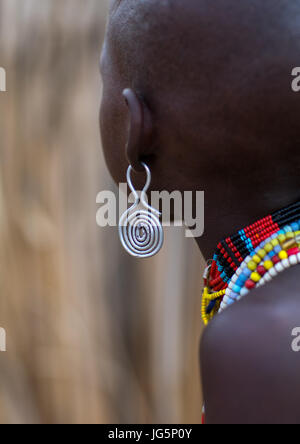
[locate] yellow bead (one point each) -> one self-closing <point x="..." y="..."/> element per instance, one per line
<point x="268" y="248"/>
<point x="262" y="254"/>
<point x="291" y="243"/>
<point x="252" y="265"/>
<point x="255" y="277"/>
<point x="283" y="255"/>
<point x="268" y="265"/>
<point x="281" y="238"/>
<point x="275" y="242"/>
<point x="290" y="235"/>
<point x="256" y="259"/>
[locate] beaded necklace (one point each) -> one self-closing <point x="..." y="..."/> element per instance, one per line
<point x="251" y="258"/>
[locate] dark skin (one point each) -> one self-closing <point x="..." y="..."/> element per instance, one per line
<point x="201" y="91"/>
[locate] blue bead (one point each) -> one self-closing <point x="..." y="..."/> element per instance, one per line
<point x="295" y="226"/>
<point x="277" y="249"/>
<point x="287" y="229"/>
<point x="241" y="281"/>
<point x="230" y="302"/>
<point x="236" y="289"/>
<point x="247" y="273"/>
<point x="233" y="295"/>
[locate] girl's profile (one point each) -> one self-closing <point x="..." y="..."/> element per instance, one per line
<point x="200" y="93"/>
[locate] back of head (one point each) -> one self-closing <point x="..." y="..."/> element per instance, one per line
<point x="216" y="76"/>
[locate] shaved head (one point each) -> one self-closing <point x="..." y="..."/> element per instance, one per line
<point x="216" y="77"/>
<point x="183" y="44"/>
<point x="205" y="52"/>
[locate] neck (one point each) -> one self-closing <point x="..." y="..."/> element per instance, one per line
<point x="221" y="222"/>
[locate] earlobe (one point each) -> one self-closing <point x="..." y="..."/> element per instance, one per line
<point x="140" y="130"/>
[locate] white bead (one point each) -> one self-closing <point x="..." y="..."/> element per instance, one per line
<point x="225" y="300"/>
<point x="279" y="267"/>
<point x="286" y="263"/>
<point x="293" y="260"/>
<point x="298" y="257"/>
<point x="268" y="277"/>
<point x="262" y="281"/>
<point x="243" y="268"/>
<point x="273" y="272"/>
<point x="222" y="308"/>
<point x="244" y="292"/>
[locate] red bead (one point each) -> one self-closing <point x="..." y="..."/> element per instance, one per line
<point x="261" y="270"/>
<point x="293" y="251"/>
<point x="275" y="260"/>
<point x="250" y="284"/>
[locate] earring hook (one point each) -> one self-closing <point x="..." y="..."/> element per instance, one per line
<point x="146" y="187"/>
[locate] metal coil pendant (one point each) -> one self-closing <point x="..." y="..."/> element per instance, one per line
<point x="140" y="230"/>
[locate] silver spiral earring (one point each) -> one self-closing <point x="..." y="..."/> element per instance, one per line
<point x="140" y="230"/>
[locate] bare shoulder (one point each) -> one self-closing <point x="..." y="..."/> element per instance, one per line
<point x="250" y="369"/>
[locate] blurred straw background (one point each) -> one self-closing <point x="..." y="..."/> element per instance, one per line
<point x="93" y="336"/>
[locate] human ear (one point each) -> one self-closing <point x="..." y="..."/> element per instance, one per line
<point x="140" y="130"/>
